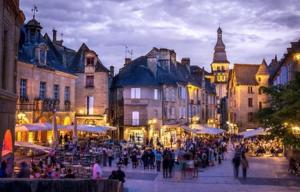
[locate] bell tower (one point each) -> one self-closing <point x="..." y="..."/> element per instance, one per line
<point x="220" y="67"/>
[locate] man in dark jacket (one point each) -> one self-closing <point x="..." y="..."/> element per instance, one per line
<point x="236" y="164"/>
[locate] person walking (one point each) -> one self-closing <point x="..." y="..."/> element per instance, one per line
<point x="165" y="164"/>
<point x="110" y="157"/>
<point x="245" y="165"/>
<point x="97" y="171"/>
<point x="236" y="164"/>
<point x="158" y="160"/>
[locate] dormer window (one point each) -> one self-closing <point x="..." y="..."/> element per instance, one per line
<point x="90" y="61"/>
<point x="41" y="55"/>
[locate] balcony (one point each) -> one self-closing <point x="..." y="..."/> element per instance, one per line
<point x="136" y="101"/>
<point x="136" y="122"/>
<point x="24" y="104"/>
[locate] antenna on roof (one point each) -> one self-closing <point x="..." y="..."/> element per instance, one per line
<point x="127" y="51"/>
<point x="34" y="10"/>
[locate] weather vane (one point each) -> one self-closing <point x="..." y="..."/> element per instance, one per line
<point x="34" y="10"/>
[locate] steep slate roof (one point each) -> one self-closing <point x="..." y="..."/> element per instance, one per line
<point x="59" y="57"/>
<point x="135" y="74"/>
<point x="245" y="73"/>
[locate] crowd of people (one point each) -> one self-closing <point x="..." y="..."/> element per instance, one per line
<point x="259" y="147"/>
<point x="187" y="158"/>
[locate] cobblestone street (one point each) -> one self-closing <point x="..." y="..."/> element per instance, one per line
<point x="266" y="174"/>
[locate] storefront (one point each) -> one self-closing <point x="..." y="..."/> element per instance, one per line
<point x="135" y="134"/>
<point x="173" y="135"/>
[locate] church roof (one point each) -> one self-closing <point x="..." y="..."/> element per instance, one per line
<point x="220" y="53"/>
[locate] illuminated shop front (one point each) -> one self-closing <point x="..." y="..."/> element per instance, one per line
<point x="172" y="135"/>
<point x="135" y="134"/>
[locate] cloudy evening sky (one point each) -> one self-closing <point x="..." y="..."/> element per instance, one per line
<point x="252" y="29"/>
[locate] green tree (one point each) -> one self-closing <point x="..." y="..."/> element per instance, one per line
<point x="283" y="113"/>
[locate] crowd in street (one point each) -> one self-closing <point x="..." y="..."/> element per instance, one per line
<point x="87" y="158"/>
<point x="259" y="147"/>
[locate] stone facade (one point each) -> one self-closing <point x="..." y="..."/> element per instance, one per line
<point x="31" y="108"/>
<point x="10" y="21"/>
<point x="56" y="81"/>
<point x="155" y="95"/>
<point x="92" y="90"/>
<point x="245" y="96"/>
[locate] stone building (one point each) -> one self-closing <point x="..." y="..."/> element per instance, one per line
<point x="58" y="83"/>
<point x="155" y="95"/>
<point x="45" y="84"/>
<point x="245" y="96"/>
<point x="284" y="70"/>
<point x="92" y="87"/>
<point x="10" y="22"/>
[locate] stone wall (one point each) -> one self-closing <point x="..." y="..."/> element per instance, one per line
<point x="65" y="185"/>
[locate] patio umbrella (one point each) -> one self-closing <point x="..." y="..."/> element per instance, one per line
<point x="253" y="132"/>
<point x="33" y="146"/>
<point x="202" y="129"/>
<point x="87" y="128"/>
<point x="34" y="127"/>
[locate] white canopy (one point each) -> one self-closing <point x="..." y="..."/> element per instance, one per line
<point x="253" y="132"/>
<point x="90" y="128"/>
<point x="34" y="127"/>
<point x="33" y="146"/>
<point x="202" y="129"/>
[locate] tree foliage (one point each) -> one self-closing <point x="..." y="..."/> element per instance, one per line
<point x="283" y="112"/>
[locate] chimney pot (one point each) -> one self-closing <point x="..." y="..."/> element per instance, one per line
<point x="185" y="61"/>
<point x="54" y="33"/>
<point x="112" y="70"/>
<point x="127" y="61"/>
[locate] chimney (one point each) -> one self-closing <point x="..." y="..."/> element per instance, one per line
<point x="127" y="61"/>
<point x="112" y="70"/>
<point x="185" y="61"/>
<point x="54" y="32"/>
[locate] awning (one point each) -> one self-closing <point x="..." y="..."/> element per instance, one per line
<point x="34" y="127"/>
<point x="202" y="129"/>
<point x="253" y="133"/>
<point x="33" y="146"/>
<point x="90" y="128"/>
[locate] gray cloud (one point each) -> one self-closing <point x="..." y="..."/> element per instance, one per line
<point x="253" y="29"/>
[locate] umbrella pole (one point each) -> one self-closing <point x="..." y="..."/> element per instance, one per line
<point x="75" y="133"/>
<point x="55" y="131"/>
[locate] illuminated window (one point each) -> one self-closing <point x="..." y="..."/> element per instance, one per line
<point x="135" y="118"/>
<point x="135" y="93"/>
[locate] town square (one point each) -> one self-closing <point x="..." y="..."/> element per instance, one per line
<point x="149" y="96"/>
